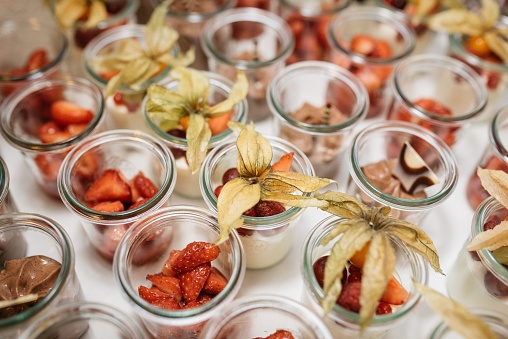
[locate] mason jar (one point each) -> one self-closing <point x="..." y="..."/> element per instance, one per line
<point x="7" y="204"/>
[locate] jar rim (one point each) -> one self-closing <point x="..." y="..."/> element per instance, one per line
<point x="488" y="316"/>
<point x="495" y="134"/>
<point x="196" y="17"/>
<point x="311" y="11"/>
<point x="4" y="180"/>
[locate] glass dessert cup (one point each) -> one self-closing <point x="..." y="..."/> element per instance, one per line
<point x="477" y="279"/>
<point x="439" y="93"/>
<point x="495" y="157"/>
<point x="341" y="322"/>
<point x="322" y="138"/>
<point x="27" y="116"/>
<point x="31" y="51"/>
<point x="189" y="19"/>
<point x="187" y="184"/>
<point x="129" y="152"/>
<point x="384" y="141"/>
<point x="387" y="28"/>
<point x="260" y="316"/>
<point x="7" y="204"/>
<point x="84" y="320"/>
<point x="266" y="240"/>
<point x="32" y="235"/>
<point x="120" y="13"/>
<point x="124" y="108"/>
<point x="255" y="41"/>
<point x="181" y="225"/>
<point x="309" y="22"/>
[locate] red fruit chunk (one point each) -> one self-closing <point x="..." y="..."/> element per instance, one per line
<point x="279" y="334"/>
<point x="353" y="268"/>
<point x="75" y="129"/>
<point x="169" y="285"/>
<point x="167" y="304"/>
<point x="65" y="113"/>
<point x="138" y="203"/>
<point x="349" y="297"/>
<point x="362" y="44"/>
<point x="284" y="163"/>
<point x="383" y="308"/>
<point x="201" y="300"/>
<point x="494" y="286"/>
<point x="158" y="298"/>
<point x="217" y="190"/>
<point x="36" y="60"/>
<point x="266" y="208"/>
<point x="319" y="270"/>
<point x="251" y="212"/>
<point x="50" y="133"/>
<point x="109" y="206"/>
<point x="229" y="175"/>
<point x="433" y="106"/>
<point x="491" y="224"/>
<point x="192" y="282"/>
<point x="144" y="186"/>
<point x="394" y="293"/>
<point x="215" y="282"/>
<point x="49" y="165"/>
<point x="111" y="239"/>
<point x="167" y="270"/>
<point x="109" y="186"/>
<point x="382" y="50"/>
<point x="193" y="255"/>
<point x="354" y="277"/>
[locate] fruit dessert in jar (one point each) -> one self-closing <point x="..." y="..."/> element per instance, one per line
<point x="260" y="192"/>
<point x="112" y="179"/>
<point x="180" y="289"/>
<point x="439" y="93"/>
<point x="46" y="119"/>
<point x="34" y="51"/>
<point x="7" y="204"/>
<point x="369" y="42"/>
<point x="255" y="41"/>
<point x="317" y="105"/>
<point x="189" y="111"/>
<point x="265" y="317"/>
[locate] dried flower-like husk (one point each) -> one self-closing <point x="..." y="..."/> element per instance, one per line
<point x="68" y="12"/>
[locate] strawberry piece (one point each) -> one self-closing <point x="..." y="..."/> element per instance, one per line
<point x="229" y="175"/>
<point x="265" y="208"/>
<point x="394" y="293"/>
<point x="383" y="308"/>
<point x="217" y="190"/>
<point x="108" y="74"/>
<point x="382" y="50"/>
<point x="169" y="285"/>
<point x="108" y="206"/>
<point x="363" y="44"/>
<point x="349" y="297"/>
<point x="192" y="282"/>
<point x="279" y="334"/>
<point x="173" y="256"/>
<point x="220" y="123"/>
<point x="111" y="238"/>
<point x="433" y="106"/>
<point x="108" y="187"/>
<point x="193" y="255"/>
<point x="65" y="113"/>
<point x="138" y="203"/>
<point x="201" y="300"/>
<point x="75" y="129"/>
<point x="251" y="212"/>
<point x="87" y="165"/>
<point x="158" y="298"/>
<point x="144" y="186"/>
<point x="215" y="283"/>
<point x="50" y="133"/>
<point x="354" y="277"/>
<point x="36" y="60"/>
<point x="284" y="163"/>
<point x="49" y="165"/>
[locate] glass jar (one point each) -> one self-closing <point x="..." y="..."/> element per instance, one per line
<point x="129" y="152"/>
<point x="85" y="320"/>
<point x="309" y="22"/>
<point x="477" y="279"/>
<point x="120" y="12"/>
<point x="7" y="205"/>
<point x="32" y="50"/>
<point x="27" y="119"/>
<point x="389" y="30"/>
<point x="384" y="141"/>
<point x="266" y="240"/>
<point x="495" y="157"/>
<point x="439" y="93"/>
<point x="260" y="316"/>
<point x="35" y="235"/>
<point x="189" y="18"/>
<point x="181" y="225"/>
<point x="187" y="184"/>
<point x="339" y="102"/>
<point x="252" y="40"/>
<point x="341" y="322"/>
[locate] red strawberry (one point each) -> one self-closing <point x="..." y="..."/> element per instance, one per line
<point x="217" y="190"/>
<point x="158" y="298"/>
<point x="201" y="300"/>
<point x="111" y="238"/>
<point x="194" y="254"/>
<point x="49" y="165"/>
<point x="108" y="206"/>
<point x="354" y="277"/>
<point x="167" y="304"/>
<point x="394" y="293"/>
<point x="215" y="282"/>
<point x="75" y="129"/>
<point x="279" y="334"/>
<point x="169" y="285"/>
<point x="108" y="187"/>
<point x="251" y="212"/>
<point x="87" y="165"/>
<point x="383" y="308"/>
<point x="192" y="282"/>
<point x="363" y="44"/>
<point x="433" y="106"/>
<point x="266" y="208"/>
<point x="284" y="163"/>
<point x="138" y="203"/>
<point x="36" y="60"/>
<point x="65" y="113"/>
<point x="144" y="186"/>
<point x="167" y="270"/>
<point x="50" y="133"/>
<point x="349" y="297"/>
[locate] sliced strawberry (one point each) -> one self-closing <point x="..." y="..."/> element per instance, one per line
<point x="36" y="60"/>
<point x="50" y="133"/>
<point x="49" y="165"/>
<point x="215" y="282"/>
<point x="349" y="297"/>
<point x="153" y="294"/>
<point x="363" y="44"/>
<point x="173" y="256"/>
<point x="144" y="186"/>
<point x="75" y="129"/>
<point x="394" y="293"/>
<point x="265" y="208"/>
<point x="167" y="304"/>
<point x="108" y="74"/>
<point x="192" y="282"/>
<point x="111" y="238"/>
<point x="108" y="206"/>
<point x="194" y="254"/>
<point x="284" y="163"/>
<point x="382" y="50"/>
<point x="169" y="285"/>
<point x="87" y="166"/>
<point x="108" y="187"/>
<point x="138" y="203"/>
<point x="433" y="106"/>
<point x="201" y="300"/>
<point x="279" y="334"/>
<point x="217" y="190"/>
<point x="65" y="113"/>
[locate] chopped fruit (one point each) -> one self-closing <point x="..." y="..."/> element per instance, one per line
<point x="319" y="270"/>
<point x="201" y="300"/>
<point x="49" y="165"/>
<point x="109" y="206"/>
<point x="358" y="259"/>
<point x="195" y="254"/>
<point x="65" y="113"/>
<point x="50" y="133"/>
<point x="139" y="202"/>
<point x="268" y="208"/>
<point x="279" y="334"/>
<point x="433" y="106"/>
<point x="251" y="212"/>
<point x="108" y="187"/>
<point x="229" y="175"/>
<point x="349" y="297"/>
<point x="217" y="190"/>
<point x="36" y="60"/>
<point x="111" y="238"/>
<point x="169" y="285"/>
<point x="383" y="308"/>
<point x="167" y="270"/>
<point x="75" y="129"/>
<point x="382" y="50"/>
<point x="362" y="44"/>
<point x="220" y="123"/>
<point x="192" y="282"/>
<point x="394" y="293"/>
<point x="215" y="282"/>
<point x="494" y="286"/>
<point x="352" y="268"/>
<point x="107" y="75"/>
<point x="478" y="46"/>
<point x="354" y="277"/>
<point x="284" y="163"/>
<point x="152" y="294"/>
<point x="184" y="122"/>
<point x="144" y="186"/>
<point x="87" y="166"/>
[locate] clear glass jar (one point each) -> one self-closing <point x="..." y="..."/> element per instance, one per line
<point x="439" y="93"/>
<point x="85" y="320"/>
<point x="321" y="138"/>
<point x="341" y="322"/>
<point x="252" y="40"/>
<point x="187" y="184"/>
<point x="260" y="316"/>
<point x="32" y="50"/>
<point x="120" y="12"/>
<point x="495" y="157"/>
<point x="36" y="235"/>
<point x="7" y="205"/>
<point x="28" y="110"/>
<point x="266" y="240"/>
<point x="477" y="279"/>
<point x="387" y="27"/>
<point x="188" y="19"/>
<point x="309" y="21"/>
<point x="130" y="152"/>
<point x="384" y="141"/>
<point x="181" y="225"/>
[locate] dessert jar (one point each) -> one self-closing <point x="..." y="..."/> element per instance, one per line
<point x="182" y="225"/>
<point x="7" y="204"/>
<point x="260" y="316"/>
<point x="129" y="153"/>
<point x="253" y="40"/>
<point x="37" y="243"/>
<point x="266" y="240"/>
<point x="394" y="40"/>
<point x="341" y="322"/>
<point x="317" y="105"/>
<point x="29" y="123"/>
<point x="439" y="93"/>
<point x="119" y="13"/>
<point x="187" y="184"/>
<point x="188" y="19"/>
<point x="477" y="279"/>
<point x="383" y="142"/>
<point x="85" y="320"/>
<point x="124" y="107"/>
<point x="309" y="21"/>
<point x="34" y="50"/>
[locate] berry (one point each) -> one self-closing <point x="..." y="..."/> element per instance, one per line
<point x="193" y="255"/>
<point x="279" y="334"/>
<point x="433" y="106"/>
<point x="65" y="113"/>
<point x="37" y="59"/>
<point x="158" y="298"/>
<point x="399" y="4"/>
<point x="177" y="152"/>
<point x="383" y="308"/>
<point x="167" y="270"/>
<point x="354" y="277"/>
<point x="494" y="286"/>
<point x="169" y="285"/>
<point x="215" y="283"/>
<point x="109" y="186"/>
<point x="144" y="186"/>
<point x="49" y="165"/>
<point x="201" y="300"/>
<point x="217" y="190"/>
<point x="349" y="297"/>
<point x="251" y="212"/>
<point x="192" y="282"/>
<point x="319" y="270"/>
<point x="491" y="224"/>
<point x="50" y="133"/>
<point x="109" y="206"/>
<point x="87" y="165"/>
<point x="353" y="268"/>
<point x="394" y="293"/>
<point x="478" y="46"/>
<point x="138" y="203"/>
<point x="266" y="208"/>
<point x="362" y="44"/>
<point x="229" y="175"/>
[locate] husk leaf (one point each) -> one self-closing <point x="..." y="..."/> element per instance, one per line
<point x="254" y="153"/>
<point x="489" y="13"/>
<point x="198" y="136"/>
<point x="422" y="9"/>
<point x="341" y="204"/>
<point x="165" y="105"/>
<point x="238" y="93"/>
<point x="491" y="239"/>
<point x="97" y="12"/>
<point x="339" y="228"/>
<point x="194" y="86"/>
<point x="497" y="40"/>
<point x="290" y="181"/>
<point x="290" y="199"/>
<point x="67" y="12"/>
<point x="496" y="183"/>
<point x="457" y="21"/>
